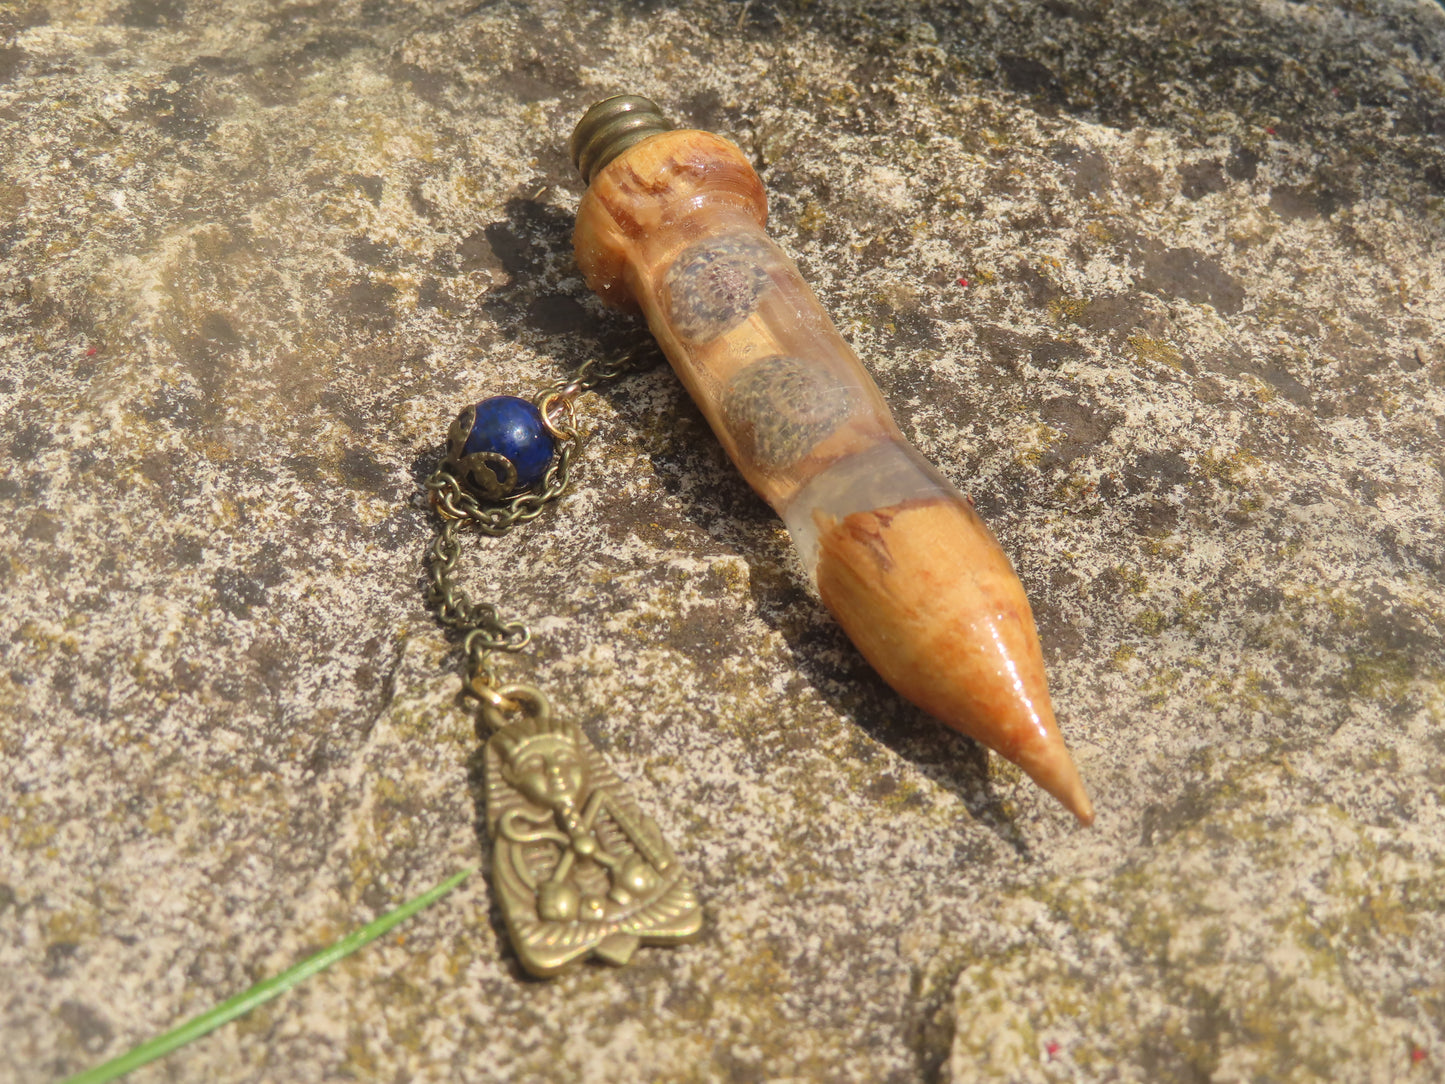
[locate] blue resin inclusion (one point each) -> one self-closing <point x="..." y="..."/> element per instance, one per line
<point x="513" y="427"/>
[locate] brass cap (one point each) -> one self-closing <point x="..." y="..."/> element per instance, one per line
<point x="610" y="127"/>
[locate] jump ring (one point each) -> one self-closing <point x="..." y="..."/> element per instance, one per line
<point x="569" y="430"/>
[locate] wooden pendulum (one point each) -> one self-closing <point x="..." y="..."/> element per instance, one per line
<point x="672" y="225"/>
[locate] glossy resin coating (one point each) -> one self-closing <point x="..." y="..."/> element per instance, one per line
<point x="673" y="226"/>
<point x="779" y="385"/>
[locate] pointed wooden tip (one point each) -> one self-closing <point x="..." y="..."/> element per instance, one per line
<point x="1080" y="806"/>
<point x="1056" y="772"/>
<point x="932" y="602"/>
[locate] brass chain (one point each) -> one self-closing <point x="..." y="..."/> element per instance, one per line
<point x="480" y="625"/>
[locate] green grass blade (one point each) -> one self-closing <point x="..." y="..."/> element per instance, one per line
<point x="263" y="991"/>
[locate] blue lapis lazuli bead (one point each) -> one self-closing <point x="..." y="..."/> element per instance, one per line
<point x="513" y="427"/>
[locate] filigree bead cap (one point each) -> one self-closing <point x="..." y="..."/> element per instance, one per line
<point x="610" y="127"/>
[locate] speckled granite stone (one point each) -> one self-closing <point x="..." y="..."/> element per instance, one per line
<point x="1159" y="284"/>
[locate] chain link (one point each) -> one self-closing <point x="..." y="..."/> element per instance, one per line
<point x="482" y="628"/>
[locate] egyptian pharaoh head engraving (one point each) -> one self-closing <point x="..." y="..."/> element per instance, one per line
<point x="547" y="768"/>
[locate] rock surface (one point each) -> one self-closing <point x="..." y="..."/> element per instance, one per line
<point x="1160" y="285"/>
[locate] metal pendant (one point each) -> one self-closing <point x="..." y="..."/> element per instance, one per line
<point x="579" y="870"/>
